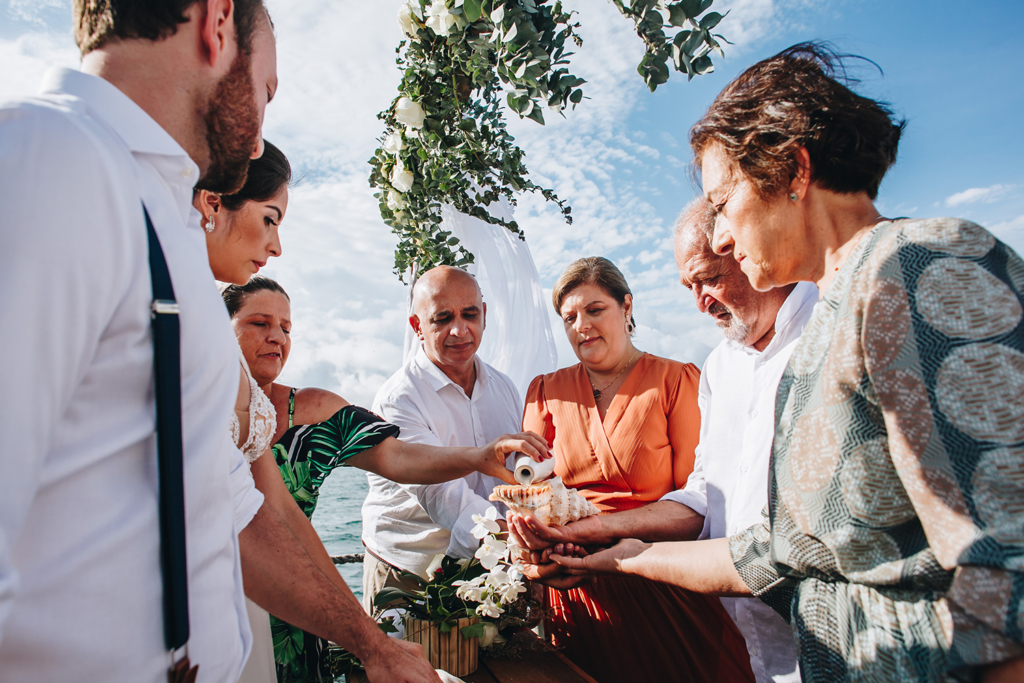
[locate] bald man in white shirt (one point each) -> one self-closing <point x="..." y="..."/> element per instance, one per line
<point x="728" y="488"/>
<point x="444" y="396"/>
<point x="170" y="93"/>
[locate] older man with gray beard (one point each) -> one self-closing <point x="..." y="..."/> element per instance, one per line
<point x="728" y="489"/>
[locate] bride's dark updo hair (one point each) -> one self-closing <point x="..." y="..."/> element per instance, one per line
<point x="798" y="99"/>
<point x="267" y="175"/>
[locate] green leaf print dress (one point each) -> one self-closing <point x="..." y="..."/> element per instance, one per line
<point x="306" y="454"/>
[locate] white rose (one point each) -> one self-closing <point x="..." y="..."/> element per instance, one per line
<point x="409" y="113"/>
<point x="490" y="632"/>
<point x="439" y="19"/>
<point x="405" y="21"/>
<point x="393" y="143"/>
<point x="401" y="178"/>
<point x="396" y="203"/>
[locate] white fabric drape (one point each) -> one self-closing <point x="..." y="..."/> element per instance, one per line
<point x="518" y="340"/>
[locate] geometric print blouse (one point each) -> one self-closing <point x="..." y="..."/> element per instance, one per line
<point x="894" y="539"/>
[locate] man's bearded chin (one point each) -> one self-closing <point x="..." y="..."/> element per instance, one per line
<point x="232" y="128"/>
<point x="732" y="327"/>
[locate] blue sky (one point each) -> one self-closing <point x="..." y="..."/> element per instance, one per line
<point x="952" y="69"/>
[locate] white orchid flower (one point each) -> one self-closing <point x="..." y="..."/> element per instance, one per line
<point x="497" y="578"/>
<point x="489" y="609"/>
<point x="486" y="523"/>
<point x="490" y="553"/>
<point x="511" y="592"/>
<point x="471" y="593"/>
<point x="409" y="113"/>
<point x="401" y="178"/>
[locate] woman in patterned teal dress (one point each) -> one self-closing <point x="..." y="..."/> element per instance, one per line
<point x="894" y="539"/>
<point x="318" y="431"/>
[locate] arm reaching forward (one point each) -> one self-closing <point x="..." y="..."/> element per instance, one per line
<point x="415" y="463"/>
<point x="698" y="566"/>
<point x="283" y="577"/>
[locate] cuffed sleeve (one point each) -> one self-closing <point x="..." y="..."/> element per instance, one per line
<point x="751" y="555"/>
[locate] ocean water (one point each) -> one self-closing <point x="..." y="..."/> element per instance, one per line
<point x="338" y="522"/>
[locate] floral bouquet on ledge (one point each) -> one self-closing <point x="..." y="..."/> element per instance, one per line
<point x="485" y="589"/>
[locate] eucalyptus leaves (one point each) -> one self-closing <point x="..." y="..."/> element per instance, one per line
<point x="446" y="141"/>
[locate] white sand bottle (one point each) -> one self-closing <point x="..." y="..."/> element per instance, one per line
<point x="527" y="470"/>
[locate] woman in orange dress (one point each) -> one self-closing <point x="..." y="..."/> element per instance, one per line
<point x="624" y="425"/>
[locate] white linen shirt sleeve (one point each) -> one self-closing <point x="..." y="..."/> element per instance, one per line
<point x="450" y="505"/>
<point x="246" y="498"/>
<point x="695" y="495"/>
<point x="59" y="296"/>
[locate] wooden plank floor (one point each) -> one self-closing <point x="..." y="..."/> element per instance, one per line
<point x="539" y="663"/>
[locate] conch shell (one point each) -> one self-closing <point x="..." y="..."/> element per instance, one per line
<point x="548" y="501"/>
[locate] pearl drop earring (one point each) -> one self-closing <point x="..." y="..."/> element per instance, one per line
<point x="210" y="225"/>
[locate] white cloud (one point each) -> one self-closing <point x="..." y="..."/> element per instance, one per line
<point x="34" y="11"/>
<point x="1011" y="232"/>
<point x="978" y="194"/>
<point x="27" y="57"/>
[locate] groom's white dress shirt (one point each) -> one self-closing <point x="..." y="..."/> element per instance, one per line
<point x="408" y="525"/>
<point x="80" y="583"/>
<point x="729" y="483"/>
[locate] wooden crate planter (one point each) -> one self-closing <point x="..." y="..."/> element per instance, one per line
<point x="449" y="651"/>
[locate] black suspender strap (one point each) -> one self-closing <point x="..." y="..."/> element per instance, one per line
<point x="167" y="362"/>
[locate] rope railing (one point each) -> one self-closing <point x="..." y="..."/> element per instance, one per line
<point x="347" y="559"/>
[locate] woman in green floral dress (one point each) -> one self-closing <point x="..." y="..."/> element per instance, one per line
<point x="318" y="431"/>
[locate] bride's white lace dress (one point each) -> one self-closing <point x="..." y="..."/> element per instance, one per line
<point x="262" y="422"/>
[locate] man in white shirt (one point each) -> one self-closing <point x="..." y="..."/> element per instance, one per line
<point x="728" y="488"/>
<point x="444" y="396"/>
<point x="161" y="103"/>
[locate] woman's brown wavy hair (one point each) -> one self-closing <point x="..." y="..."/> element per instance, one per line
<point x="799" y="98"/>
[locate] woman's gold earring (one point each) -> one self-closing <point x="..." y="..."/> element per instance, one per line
<point x="210" y="225"/>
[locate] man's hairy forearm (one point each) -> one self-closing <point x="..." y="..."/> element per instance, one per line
<point x="281" y="577"/>
<point x="664" y="520"/>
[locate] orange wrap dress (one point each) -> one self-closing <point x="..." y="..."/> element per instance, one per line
<point x="626" y="629"/>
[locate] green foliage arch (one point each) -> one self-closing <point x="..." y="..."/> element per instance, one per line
<point x="464" y="63"/>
